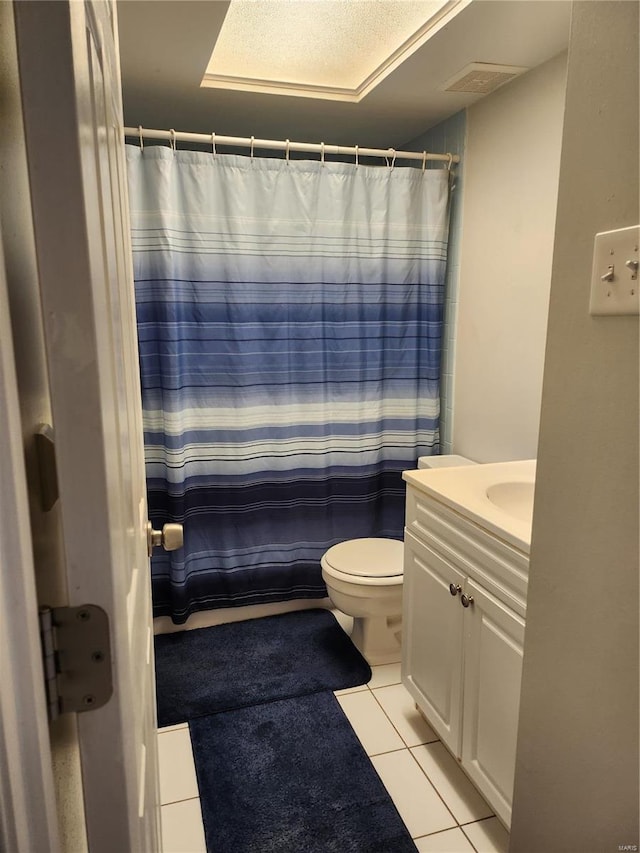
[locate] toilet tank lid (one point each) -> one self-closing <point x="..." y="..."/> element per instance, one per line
<point x="450" y="460"/>
<point x="367" y="558"/>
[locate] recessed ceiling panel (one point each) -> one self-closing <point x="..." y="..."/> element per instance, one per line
<point x="321" y="48"/>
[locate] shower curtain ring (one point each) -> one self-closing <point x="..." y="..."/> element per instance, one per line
<point x="424" y="160"/>
<point x="252" y="141"/>
<point x="286" y="151"/>
<point x="392" y="154"/>
<point x="172" y="140"/>
<point x="322" y="153"/>
<point x="450" y="156"/>
<point x="141" y="140"/>
<point x="213" y="145"/>
<point x="356" y="156"/>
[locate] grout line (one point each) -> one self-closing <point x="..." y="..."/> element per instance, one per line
<point x="404" y="749"/>
<point x="437" y="832"/>
<point x="429" y="782"/>
<point x="167" y="730"/>
<point x="183" y="800"/>
<point x="408" y="748"/>
<point x="348" y="691"/>
<point x="389" y="718"/>
<point x="430" y="743"/>
<point x="467" y="837"/>
<point x="467" y="822"/>
<point x="382" y="686"/>
<point x="386" y="752"/>
<point x="460" y="825"/>
<point x="470" y="823"/>
<point x="444" y="802"/>
<point x="394" y="726"/>
<point x="479" y="820"/>
<point x="440" y="831"/>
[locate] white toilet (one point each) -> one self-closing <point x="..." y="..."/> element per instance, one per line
<point x="364" y="580"/>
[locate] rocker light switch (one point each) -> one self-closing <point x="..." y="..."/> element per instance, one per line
<point x="614" y="276"/>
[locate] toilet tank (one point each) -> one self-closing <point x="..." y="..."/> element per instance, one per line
<point x="446" y="461"/>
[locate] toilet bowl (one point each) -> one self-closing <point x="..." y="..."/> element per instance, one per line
<point x="364" y="580"/>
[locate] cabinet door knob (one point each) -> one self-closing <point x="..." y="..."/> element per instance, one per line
<point x="466" y="600"/>
<point x="455" y="588"/>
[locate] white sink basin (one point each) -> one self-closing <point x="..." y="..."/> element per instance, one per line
<point x="515" y="498"/>
<point x="496" y="496"/>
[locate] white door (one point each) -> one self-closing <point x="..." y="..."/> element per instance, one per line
<point x="433" y="633"/>
<point x="70" y="81"/>
<point x="493" y="648"/>
<point x="28" y="819"/>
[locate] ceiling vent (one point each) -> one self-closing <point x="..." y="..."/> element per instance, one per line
<point x="481" y="78"/>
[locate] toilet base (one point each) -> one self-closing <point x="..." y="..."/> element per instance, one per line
<point x="378" y="638"/>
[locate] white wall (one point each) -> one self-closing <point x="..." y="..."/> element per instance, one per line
<point x="512" y="160"/>
<point x="448" y="136"/>
<point x="576" y="783"/>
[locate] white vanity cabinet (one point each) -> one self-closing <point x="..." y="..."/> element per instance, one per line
<point x="464" y="601"/>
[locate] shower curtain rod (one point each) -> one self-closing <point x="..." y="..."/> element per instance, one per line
<point x="321" y="148"/>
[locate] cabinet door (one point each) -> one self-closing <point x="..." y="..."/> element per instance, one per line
<point x="493" y="643"/>
<point x="432" y="637"/>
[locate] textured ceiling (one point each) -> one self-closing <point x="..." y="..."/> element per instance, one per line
<point x="321" y="43"/>
<point x="165" y="48"/>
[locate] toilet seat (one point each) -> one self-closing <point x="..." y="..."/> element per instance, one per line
<point x="374" y="561"/>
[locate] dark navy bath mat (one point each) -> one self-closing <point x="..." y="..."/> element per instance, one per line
<point x="291" y="777"/>
<point x="209" y="670"/>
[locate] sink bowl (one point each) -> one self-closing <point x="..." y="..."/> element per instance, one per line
<point x="514" y="498"/>
<point x="497" y="496"/>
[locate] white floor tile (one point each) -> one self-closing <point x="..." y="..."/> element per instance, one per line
<point x="173" y="728"/>
<point x="367" y="718"/>
<point x="348" y="690"/>
<point x="419" y="806"/>
<point x="382" y="676"/>
<point x="182" y="829"/>
<point x="177" y="770"/>
<point x="449" y="841"/>
<point x="400" y="707"/>
<point x="488" y="836"/>
<point x="460" y="795"/>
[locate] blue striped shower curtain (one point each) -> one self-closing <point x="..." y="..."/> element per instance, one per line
<point x="289" y="319"/>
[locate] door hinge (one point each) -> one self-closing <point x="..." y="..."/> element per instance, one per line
<point x="46" y="455"/>
<point x="76" y="657"/>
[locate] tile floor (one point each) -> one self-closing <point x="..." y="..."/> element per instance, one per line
<point x="440" y="807"/>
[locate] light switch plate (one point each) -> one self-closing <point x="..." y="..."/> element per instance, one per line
<point x="614" y="275"/>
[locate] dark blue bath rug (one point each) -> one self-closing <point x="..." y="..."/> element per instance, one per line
<point x="291" y="777"/>
<point x="209" y="670"/>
